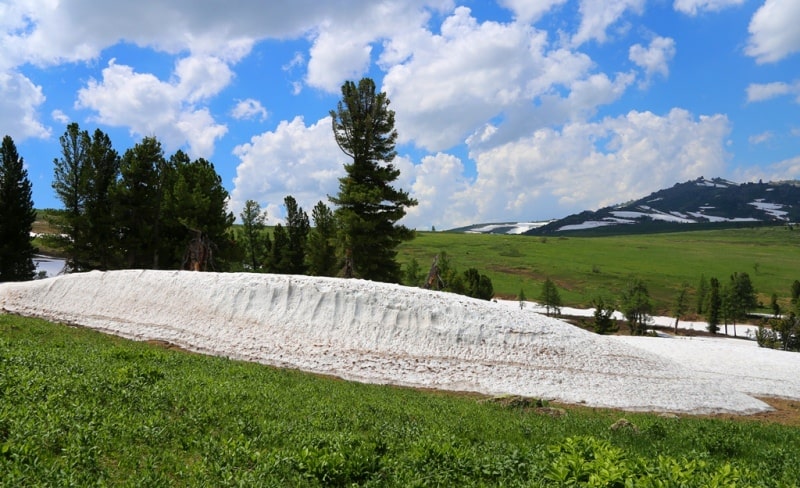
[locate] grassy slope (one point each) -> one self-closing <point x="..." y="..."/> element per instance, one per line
<point x="584" y="268"/>
<point x="80" y="408"/>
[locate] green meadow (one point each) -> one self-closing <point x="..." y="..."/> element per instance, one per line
<point x="585" y="268"/>
<point x="79" y="408"/>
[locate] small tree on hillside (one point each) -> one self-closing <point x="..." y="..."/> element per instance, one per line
<point x="16" y="216"/>
<point x="681" y="303"/>
<point x="795" y="291"/>
<point x="702" y="295"/>
<point x="713" y="306"/>
<point x="521" y="297"/>
<point x="604" y="322"/>
<point x="478" y="285"/>
<point x="636" y="306"/>
<point x="550" y="298"/>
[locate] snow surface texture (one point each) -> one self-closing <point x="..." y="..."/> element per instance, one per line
<point x="390" y="334"/>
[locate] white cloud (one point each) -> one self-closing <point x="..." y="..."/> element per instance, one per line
<point x="773" y="31"/>
<point x="294" y="159"/>
<point x="598" y="15"/>
<point x="761" y="138"/>
<point x="530" y="11"/>
<point x="149" y="106"/>
<point x="759" y="92"/>
<point x="20" y="100"/>
<point x="471" y="73"/>
<point x="693" y="7"/>
<point x="60" y="117"/>
<point x="438" y="183"/>
<point x="589" y="165"/>
<point x="655" y="58"/>
<point x="343" y="50"/>
<point x="249" y="109"/>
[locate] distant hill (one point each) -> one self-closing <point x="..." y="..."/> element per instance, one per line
<point x="701" y="203"/>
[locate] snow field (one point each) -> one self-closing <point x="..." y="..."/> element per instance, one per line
<point x="390" y="334"/>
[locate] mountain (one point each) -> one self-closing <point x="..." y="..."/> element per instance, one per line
<point x="700" y="203"/>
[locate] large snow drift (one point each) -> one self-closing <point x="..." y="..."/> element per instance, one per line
<point x="378" y="333"/>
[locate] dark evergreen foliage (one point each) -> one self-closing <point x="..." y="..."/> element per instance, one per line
<point x="368" y="205"/>
<point x="321" y="252"/>
<point x="16" y="216"/>
<point x="636" y="306"/>
<point x="714" y="306"/>
<point x="253" y="238"/>
<point x="138" y="196"/>
<point x="297" y="229"/>
<point x="550" y="298"/>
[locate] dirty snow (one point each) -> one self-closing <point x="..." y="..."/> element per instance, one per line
<point x="389" y="334"/>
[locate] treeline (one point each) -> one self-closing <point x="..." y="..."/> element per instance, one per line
<point x="138" y="210"/>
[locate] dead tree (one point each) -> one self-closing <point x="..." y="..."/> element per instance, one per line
<point x="348" y="270"/>
<point x="199" y="254"/>
<point x="434" y="280"/>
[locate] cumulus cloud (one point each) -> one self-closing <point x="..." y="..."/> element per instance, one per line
<point x="598" y="15"/>
<point x="294" y="159"/>
<point x="471" y="72"/>
<point x="654" y="59"/>
<point x="530" y="11"/>
<point x="773" y="31"/>
<point x="147" y="105"/>
<point x="20" y="100"/>
<point x="249" y="109"/>
<point x="694" y="7"/>
<point x="590" y="165"/>
<point x="759" y="92"/>
<point x="343" y="50"/>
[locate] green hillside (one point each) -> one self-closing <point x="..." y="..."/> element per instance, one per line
<point x="587" y="267"/>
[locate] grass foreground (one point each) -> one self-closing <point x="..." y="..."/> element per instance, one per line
<point x="80" y="408"/>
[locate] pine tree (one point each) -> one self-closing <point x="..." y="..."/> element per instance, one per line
<point x="138" y="203"/>
<point x="253" y="224"/>
<point x="297" y="228"/>
<point x="70" y="182"/>
<point x="194" y="204"/>
<point x="550" y="297"/>
<point x="16" y="216"/>
<point x="713" y="306"/>
<point x="368" y="205"/>
<point x="321" y="252"/>
<point x="84" y="177"/>
<point x="636" y="306"/>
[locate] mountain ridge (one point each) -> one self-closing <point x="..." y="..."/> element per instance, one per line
<point x="692" y="205"/>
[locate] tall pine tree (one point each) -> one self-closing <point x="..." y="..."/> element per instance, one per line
<point x="368" y="205"/>
<point x="16" y="216"/>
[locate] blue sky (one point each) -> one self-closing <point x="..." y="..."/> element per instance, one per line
<point x="511" y="110"/>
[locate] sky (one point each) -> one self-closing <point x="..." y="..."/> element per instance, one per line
<point x="512" y="110"/>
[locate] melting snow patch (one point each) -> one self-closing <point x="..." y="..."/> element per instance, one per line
<point x="382" y="333"/>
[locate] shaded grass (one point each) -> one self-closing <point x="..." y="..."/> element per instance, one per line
<point x="81" y="408"/>
<point x="585" y="268"/>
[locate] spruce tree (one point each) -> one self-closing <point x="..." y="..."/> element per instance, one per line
<point x="368" y="205"/>
<point x="550" y="297"/>
<point x="16" y="216"/>
<point x="297" y="228"/>
<point x="321" y="253"/>
<point x="138" y="203"/>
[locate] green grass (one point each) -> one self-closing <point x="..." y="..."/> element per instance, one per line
<point x="587" y="267"/>
<point x="79" y="408"/>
